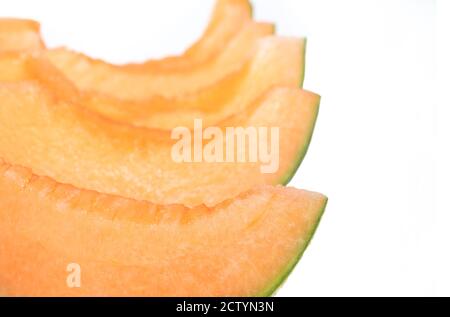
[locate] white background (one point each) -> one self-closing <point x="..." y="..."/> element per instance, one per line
<point x="375" y="150"/>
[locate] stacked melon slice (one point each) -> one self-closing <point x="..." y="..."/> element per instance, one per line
<point x="87" y="177"/>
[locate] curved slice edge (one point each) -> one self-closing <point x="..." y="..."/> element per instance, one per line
<point x="20" y="35"/>
<point x="277" y="62"/>
<point x="227" y="18"/>
<point x="96" y="75"/>
<point x="276" y="285"/>
<point x="297" y="162"/>
<point x="134" y="155"/>
<point x="125" y="242"/>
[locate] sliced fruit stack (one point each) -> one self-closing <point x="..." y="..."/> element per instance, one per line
<point x="86" y="174"/>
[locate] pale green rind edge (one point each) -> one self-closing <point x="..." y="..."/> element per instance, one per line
<point x="303" y="57"/>
<point x="287" y="178"/>
<point x="303" y="151"/>
<point x="269" y="291"/>
<point x="252" y="9"/>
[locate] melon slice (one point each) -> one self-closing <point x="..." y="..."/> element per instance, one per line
<point x="141" y="84"/>
<point x="242" y="247"/>
<point x="227" y="20"/>
<point x="44" y="127"/>
<point x="17" y="34"/>
<point x="278" y="61"/>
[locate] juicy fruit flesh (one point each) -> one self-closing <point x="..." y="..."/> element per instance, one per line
<point x="241" y="247"/>
<point x="17" y="35"/>
<point x="55" y="137"/>
<point x="122" y="82"/>
<point x="278" y="62"/>
<point x="228" y="18"/>
<point x="173" y="229"/>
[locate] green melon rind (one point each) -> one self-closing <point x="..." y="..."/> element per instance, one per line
<point x="274" y="286"/>
<point x="269" y="291"/>
<point x="303" y="58"/>
<point x="302" y="152"/>
<point x="287" y="177"/>
<point x="252" y="9"/>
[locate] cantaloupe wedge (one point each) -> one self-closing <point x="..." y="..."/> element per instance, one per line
<point x="227" y="20"/>
<point x="141" y="84"/>
<point x="17" y="35"/>
<point x="242" y="247"/>
<point x="44" y="127"/>
<point x="88" y="177"/>
<point x="278" y="61"/>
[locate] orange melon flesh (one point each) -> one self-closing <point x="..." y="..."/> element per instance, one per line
<point x="278" y="61"/>
<point x="228" y="18"/>
<point x="141" y="84"/>
<point x="242" y="247"/>
<point x="44" y="127"/>
<point x="17" y="34"/>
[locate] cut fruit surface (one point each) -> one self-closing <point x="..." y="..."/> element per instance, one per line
<point x="159" y="178"/>
<point x="17" y="35"/>
<point x="228" y="18"/>
<point x="277" y="62"/>
<point x="141" y="84"/>
<point x="242" y="247"/>
<point x="43" y="127"/>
